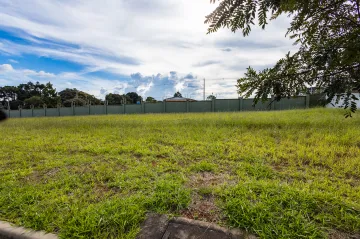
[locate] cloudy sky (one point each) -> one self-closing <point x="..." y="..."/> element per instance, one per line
<point x="152" y="47"/>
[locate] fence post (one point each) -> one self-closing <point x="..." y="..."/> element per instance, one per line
<point x="124" y="108"/>
<point x="187" y="106"/>
<point x="44" y="110"/>
<point x="272" y="106"/>
<point x="89" y="105"/>
<point x="32" y="110"/>
<point x="164" y="106"/>
<point x="73" y="107"/>
<point x="106" y="105"/>
<point x="240" y="104"/>
<point x="19" y="110"/>
<point x="58" y="108"/>
<point x="307" y="99"/>
<point x="143" y="107"/>
<point x="213" y="105"/>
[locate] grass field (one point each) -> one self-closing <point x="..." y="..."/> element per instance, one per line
<point x="289" y="174"/>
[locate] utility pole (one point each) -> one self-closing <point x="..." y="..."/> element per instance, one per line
<point x="204" y="88"/>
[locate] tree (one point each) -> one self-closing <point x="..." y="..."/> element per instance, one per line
<point x="134" y="97"/>
<point x="150" y="99"/>
<point x="26" y="91"/>
<point x="9" y="96"/>
<point x="327" y="33"/>
<point x="178" y="94"/>
<point x="79" y="97"/>
<point x="8" y="93"/>
<point x="114" y="99"/>
<point x="67" y="96"/>
<point x="49" y="96"/>
<point x="35" y="101"/>
<point x="211" y="97"/>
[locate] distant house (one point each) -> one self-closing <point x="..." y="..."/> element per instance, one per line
<point x="179" y="99"/>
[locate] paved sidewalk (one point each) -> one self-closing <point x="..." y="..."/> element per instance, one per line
<point x="158" y="226"/>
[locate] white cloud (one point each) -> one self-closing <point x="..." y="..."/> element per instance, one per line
<point x="124" y="37"/>
<point x="6" y="68"/>
<point x="159" y="86"/>
<point x="38" y="73"/>
<point x="13" y="61"/>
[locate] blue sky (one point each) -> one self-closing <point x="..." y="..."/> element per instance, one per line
<point x="153" y="47"/>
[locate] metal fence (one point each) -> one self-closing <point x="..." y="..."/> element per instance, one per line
<point x="218" y="105"/>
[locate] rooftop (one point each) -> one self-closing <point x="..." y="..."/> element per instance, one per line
<point x="178" y="99"/>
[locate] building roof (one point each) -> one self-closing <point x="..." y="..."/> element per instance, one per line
<point x="178" y="99"/>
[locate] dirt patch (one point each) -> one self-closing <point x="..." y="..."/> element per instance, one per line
<point x="203" y="209"/>
<point x="207" y="179"/>
<point x="40" y="175"/>
<point x="334" y="234"/>
<point x="52" y="172"/>
<point x="352" y="176"/>
<point x="103" y="191"/>
<point x="203" y="206"/>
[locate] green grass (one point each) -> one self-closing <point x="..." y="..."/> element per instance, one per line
<point x="289" y="174"/>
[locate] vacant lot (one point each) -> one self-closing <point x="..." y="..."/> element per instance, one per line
<point x="290" y="174"/>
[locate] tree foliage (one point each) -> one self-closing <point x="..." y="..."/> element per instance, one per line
<point x="49" y="96"/>
<point x="328" y="35"/>
<point x="150" y="99"/>
<point x="114" y="99"/>
<point x="211" y="97"/>
<point x="134" y="97"/>
<point x="178" y="94"/>
<point x="34" y="101"/>
<point x="80" y="98"/>
<point x="128" y="98"/>
<point x="16" y="96"/>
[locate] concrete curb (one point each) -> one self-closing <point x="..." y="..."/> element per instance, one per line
<point x="10" y="232"/>
<point x="158" y="226"/>
<point x="233" y="233"/>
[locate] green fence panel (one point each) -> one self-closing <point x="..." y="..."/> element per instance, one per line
<point x="154" y="107"/>
<point x="317" y="100"/>
<point x="14" y="113"/>
<point x="66" y="111"/>
<point x="115" y="109"/>
<point x="219" y="105"/>
<point x="39" y="112"/>
<point x="260" y="106"/>
<point x="26" y="113"/>
<point x="82" y="110"/>
<point x="227" y="105"/>
<point x="201" y="106"/>
<point x="176" y="107"/>
<point x="52" y="112"/>
<point x="292" y="103"/>
<point x="133" y="109"/>
<point x="97" y="110"/>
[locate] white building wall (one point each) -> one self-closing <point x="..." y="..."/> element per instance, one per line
<point x="341" y="102"/>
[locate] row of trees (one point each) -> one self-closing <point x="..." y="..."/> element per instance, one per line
<point x="132" y="98"/>
<point x="28" y="94"/>
<point x="38" y="95"/>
